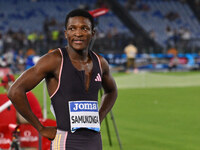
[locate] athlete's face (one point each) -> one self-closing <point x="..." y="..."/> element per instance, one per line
<point x="79" y="32"/>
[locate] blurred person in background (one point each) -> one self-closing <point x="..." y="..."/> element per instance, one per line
<point x="198" y="61"/>
<point x="6" y="82"/>
<point x="131" y="51"/>
<point x="172" y="51"/>
<point x="173" y="64"/>
<point x="74" y="75"/>
<point x="20" y="61"/>
<point x="1" y="43"/>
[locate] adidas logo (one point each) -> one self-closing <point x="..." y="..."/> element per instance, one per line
<point x="98" y="78"/>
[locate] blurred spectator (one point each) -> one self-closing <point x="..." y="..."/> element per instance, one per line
<point x="197" y="61"/>
<point x="61" y="38"/>
<point x="46" y="25"/>
<point x="196" y="5"/>
<point x="131" y="5"/>
<point x="100" y="4"/>
<point x="152" y="34"/>
<point x="185" y="36"/>
<point x="134" y="6"/>
<point x="9" y="56"/>
<point x="53" y="22"/>
<point x="6" y="60"/>
<point x="171" y="16"/>
<point x="143" y="7"/>
<point x="170" y="36"/>
<point x="173" y="36"/>
<point x="22" y="39"/>
<point x="173" y="64"/>
<point x="6" y="82"/>
<point x="1" y="43"/>
<point x="54" y="36"/>
<point x="83" y="6"/>
<point x="20" y="61"/>
<point x="113" y="31"/>
<point x="3" y="62"/>
<point x="8" y="40"/>
<point x="131" y="51"/>
<point x="173" y="51"/>
<point x="176" y="37"/>
<point x="30" y="52"/>
<point x="32" y="37"/>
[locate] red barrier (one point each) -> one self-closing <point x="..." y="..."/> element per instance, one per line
<point x="6" y="117"/>
<point x="5" y="136"/>
<point x="46" y="142"/>
<point x="29" y="136"/>
<point x="9" y="114"/>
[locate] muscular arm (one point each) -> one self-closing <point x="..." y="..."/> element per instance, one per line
<point x="27" y="81"/>
<point x="110" y="90"/>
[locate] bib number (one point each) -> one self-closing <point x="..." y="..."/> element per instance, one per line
<point x="84" y="114"/>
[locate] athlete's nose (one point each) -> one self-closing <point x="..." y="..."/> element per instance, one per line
<point x="78" y="33"/>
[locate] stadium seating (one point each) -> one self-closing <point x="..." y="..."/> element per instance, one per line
<point x="29" y="15"/>
<point x="154" y="18"/>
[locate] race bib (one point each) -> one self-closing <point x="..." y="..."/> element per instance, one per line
<point x="84" y="114"/>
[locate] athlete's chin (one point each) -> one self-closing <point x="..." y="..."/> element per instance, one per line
<point x="79" y="48"/>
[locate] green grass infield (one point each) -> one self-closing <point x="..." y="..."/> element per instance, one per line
<point x="154" y="111"/>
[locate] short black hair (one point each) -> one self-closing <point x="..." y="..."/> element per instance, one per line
<point x="82" y="13"/>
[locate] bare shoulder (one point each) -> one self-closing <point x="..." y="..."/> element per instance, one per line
<point x="104" y="64"/>
<point x="46" y="66"/>
<point x="52" y="57"/>
<point x="49" y="61"/>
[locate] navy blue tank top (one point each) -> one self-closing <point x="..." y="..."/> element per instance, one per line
<point x="71" y="87"/>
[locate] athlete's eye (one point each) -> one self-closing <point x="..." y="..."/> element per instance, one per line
<point x="71" y="28"/>
<point x="85" y="28"/>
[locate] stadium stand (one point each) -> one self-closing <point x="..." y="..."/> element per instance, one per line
<point x="30" y="14"/>
<point x="38" y="25"/>
<point x="156" y="15"/>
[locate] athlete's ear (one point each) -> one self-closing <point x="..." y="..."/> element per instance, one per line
<point x="93" y="32"/>
<point x="65" y="31"/>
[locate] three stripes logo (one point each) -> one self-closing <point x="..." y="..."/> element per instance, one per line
<point x="98" y="78"/>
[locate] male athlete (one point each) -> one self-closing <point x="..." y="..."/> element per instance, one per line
<point x="73" y="75"/>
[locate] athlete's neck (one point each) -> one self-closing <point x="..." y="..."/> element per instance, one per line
<point x="77" y="55"/>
